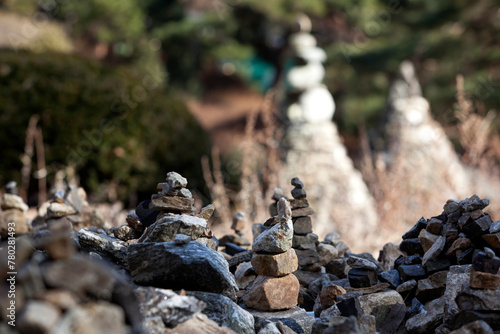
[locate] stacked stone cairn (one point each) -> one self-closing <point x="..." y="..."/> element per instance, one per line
<point x="238" y="237"/>
<point x="274" y="261"/>
<point x="13" y="213"/>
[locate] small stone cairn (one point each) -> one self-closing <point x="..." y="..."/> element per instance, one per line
<point x="274" y="261"/>
<point x="238" y="237"/>
<point x="13" y="210"/>
<point x="310" y="252"/>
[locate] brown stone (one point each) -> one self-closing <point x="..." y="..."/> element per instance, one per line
<point x="206" y="212"/>
<point x="434" y="226"/>
<point x="56" y="210"/>
<point x="493" y="240"/>
<point x="482" y="280"/>
<point x="328" y="296"/>
<point x="16" y="216"/>
<point x="298" y="203"/>
<point x="172" y="203"/>
<point x="302" y="225"/>
<point x="459" y="244"/>
<point x="302" y="212"/>
<point x="275" y="265"/>
<point x="273" y="293"/>
<point x="427" y="239"/>
<point x="63" y="299"/>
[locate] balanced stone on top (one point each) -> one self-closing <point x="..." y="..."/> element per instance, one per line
<point x="298" y="192"/>
<point x="277" y="239"/>
<point x="176" y="181"/>
<point x="278" y="193"/>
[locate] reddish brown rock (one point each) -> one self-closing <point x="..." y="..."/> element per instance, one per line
<point x="172" y="203"/>
<point x="273" y="293"/>
<point x="328" y="296"/>
<point x="275" y="265"/>
<point x="493" y="240"/>
<point x="459" y="244"/>
<point x="482" y="280"/>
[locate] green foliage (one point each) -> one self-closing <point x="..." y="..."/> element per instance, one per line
<point x="113" y="124"/>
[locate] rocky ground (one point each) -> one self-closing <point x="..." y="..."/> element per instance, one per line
<point x="163" y="271"/>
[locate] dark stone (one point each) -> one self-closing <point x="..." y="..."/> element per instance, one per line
<point x="349" y="325"/>
<point x="336" y="267"/>
<point x="464" y="317"/>
<point x="295" y="318"/>
<point x="110" y="248"/>
<point x="413" y="271"/>
<point x="233" y="249"/>
<point x="298" y="193"/>
<point x="145" y="214"/>
<point x="437" y="265"/>
<point x="297" y="183"/>
<point x="411" y="246"/>
<point x="415" y="308"/>
<point x="225" y="312"/>
<point x="362" y="278"/>
<point x="453" y="217"/>
<point x="191" y="266"/>
<point x="415" y="230"/>
<point x="307" y="256"/>
<point x="306" y="301"/>
<point x="11" y="188"/>
<point x="477" y="227"/>
<point x="466" y="256"/>
<point x="349" y="305"/>
<point x="394" y="319"/>
<point x="390" y="276"/>
<point x="434" y="226"/>
<point x="428" y="290"/>
<point x="474" y="203"/>
<point x="302" y="225"/>
<point x="483" y="262"/>
<point x="407" y="260"/>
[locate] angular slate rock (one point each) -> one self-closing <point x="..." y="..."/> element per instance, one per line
<point x="483" y="262"/>
<point x="171" y="307"/>
<point x="361" y="278"/>
<point x="277" y="239"/>
<point x="108" y="247"/>
<point x="296" y="318"/>
<point x="225" y="312"/>
<point x="411" y="246"/>
<point x="415" y="230"/>
<point x="390" y="276"/>
<point x="146" y="215"/>
<point x="166" y="228"/>
<point x="413" y="271"/>
<point x="191" y="267"/>
<point x="428" y="320"/>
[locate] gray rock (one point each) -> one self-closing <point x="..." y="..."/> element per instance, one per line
<point x="299" y="241"/>
<point x="478" y="300"/>
<point x="380" y="304"/>
<point x="428" y="320"/>
<point x="108" y="247"/>
<point x="171" y="307"/>
<point x="474" y="203"/>
<point x="38" y="317"/>
<point x="389" y="253"/>
<point x="296" y="318"/>
<point x="495" y="227"/>
<point x="191" y="267"/>
<point x="433" y="252"/>
<point x="225" y="312"/>
<point x="360" y="263"/>
<point x="457" y="278"/>
<point x="176" y="181"/>
<point x="83" y="277"/>
<point x="277" y="239"/>
<point x="93" y="317"/>
<point x="166" y="228"/>
<point x="476" y="327"/>
<point x="343" y="325"/>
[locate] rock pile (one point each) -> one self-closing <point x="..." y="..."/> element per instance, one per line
<point x="13" y="213"/>
<point x="274" y="260"/>
<point x="61" y="291"/>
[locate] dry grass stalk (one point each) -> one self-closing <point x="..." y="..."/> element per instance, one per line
<point x="474" y="129"/>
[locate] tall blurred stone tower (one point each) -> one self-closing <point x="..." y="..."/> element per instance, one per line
<point x="314" y="150"/>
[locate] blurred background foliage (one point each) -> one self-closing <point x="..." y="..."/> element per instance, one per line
<point x="114" y="44"/>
